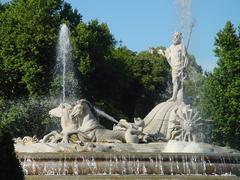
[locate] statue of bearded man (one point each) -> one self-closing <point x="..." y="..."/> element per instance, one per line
<point x="176" y="56"/>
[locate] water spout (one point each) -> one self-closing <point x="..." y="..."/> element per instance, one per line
<point x="64" y="66"/>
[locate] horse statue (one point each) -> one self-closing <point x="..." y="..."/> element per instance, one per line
<point x="83" y="121"/>
<point x="67" y="124"/>
<point x="90" y="128"/>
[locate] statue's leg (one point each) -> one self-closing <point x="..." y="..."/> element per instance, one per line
<point x="175" y="133"/>
<point x="66" y="136"/>
<point x="104" y="135"/>
<point x="176" y="88"/>
<point x="82" y="136"/>
<point x="187" y="137"/>
<point x="57" y="139"/>
<point x="193" y="137"/>
<point x="179" y="96"/>
<point x="176" y="85"/>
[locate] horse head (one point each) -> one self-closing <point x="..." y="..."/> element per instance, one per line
<point x="58" y="111"/>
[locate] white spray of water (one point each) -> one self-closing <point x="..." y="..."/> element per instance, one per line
<point x="186" y="21"/>
<point x="186" y="147"/>
<point x="64" y="63"/>
<point x="64" y="54"/>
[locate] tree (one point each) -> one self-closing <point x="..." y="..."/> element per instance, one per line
<point x="92" y="42"/>
<point x="69" y="15"/>
<point x="193" y="83"/>
<point x="116" y="79"/>
<point x="28" y="117"/>
<point x="28" y="35"/>
<point x="28" y="38"/>
<point x="2" y="7"/>
<point x="221" y="97"/>
<point x="153" y="76"/>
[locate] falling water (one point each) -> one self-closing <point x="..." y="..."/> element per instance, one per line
<point x="131" y="164"/>
<point x="64" y="66"/>
<point x="64" y="54"/>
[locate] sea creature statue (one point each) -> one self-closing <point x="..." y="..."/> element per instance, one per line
<point x="130" y="128"/>
<point x="26" y="140"/>
<point x="83" y="121"/>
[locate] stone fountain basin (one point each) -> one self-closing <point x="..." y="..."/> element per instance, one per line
<point x="158" y="147"/>
<point x="125" y="159"/>
<point x="104" y="163"/>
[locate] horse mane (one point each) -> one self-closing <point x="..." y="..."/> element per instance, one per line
<point x="92" y="108"/>
<point x="99" y="113"/>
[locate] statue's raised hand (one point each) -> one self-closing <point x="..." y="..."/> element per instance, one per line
<point x="161" y="52"/>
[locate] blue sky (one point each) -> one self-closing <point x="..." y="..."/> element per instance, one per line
<point x="144" y="23"/>
<point x="140" y="24"/>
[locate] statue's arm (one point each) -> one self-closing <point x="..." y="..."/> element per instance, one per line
<point x="153" y="50"/>
<point x="161" y="52"/>
<point x="166" y="53"/>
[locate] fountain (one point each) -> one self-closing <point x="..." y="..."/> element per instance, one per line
<point x="64" y="65"/>
<point x="165" y="142"/>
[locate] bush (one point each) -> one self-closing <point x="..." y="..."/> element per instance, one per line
<point x="29" y="117"/>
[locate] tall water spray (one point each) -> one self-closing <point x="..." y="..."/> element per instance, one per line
<point x="186" y="21"/>
<point x="64" y="66"/>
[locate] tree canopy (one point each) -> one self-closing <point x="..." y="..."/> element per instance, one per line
<point x="221" y="97"/>
<point x="28" y="36"/>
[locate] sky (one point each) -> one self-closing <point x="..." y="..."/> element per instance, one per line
<point x="141" y="24"/>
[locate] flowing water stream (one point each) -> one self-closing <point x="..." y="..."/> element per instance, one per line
<point x="64" y="66"/>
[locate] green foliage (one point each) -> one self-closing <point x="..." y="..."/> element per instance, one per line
<point x="9" y="165"/>
<point x="2" y="7"/>
<point x="92" y="42"/>
<point x="72" y="17"/>
<point x="132" y="83"/>
<point x="28" y="34"/>
<point x="29" y="117"/>
<point x="221" y="89"/>
<point x="193" y="84"/>
<point x="153" y="75"/>
<point x="92" y="46"/>
<point x="117" y="80"/>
